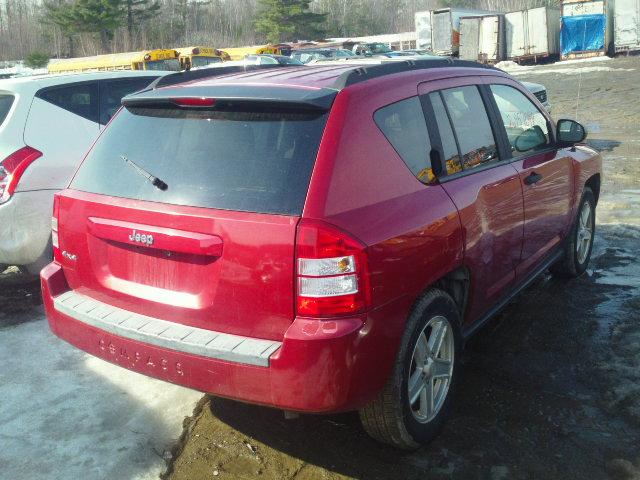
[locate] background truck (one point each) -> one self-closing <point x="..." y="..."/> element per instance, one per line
<point x="532" y="33"/>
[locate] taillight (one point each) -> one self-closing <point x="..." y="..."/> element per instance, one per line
<point x="54" y="228"/>
<point x="331" y="271"/>
<point x="12" y="168"/>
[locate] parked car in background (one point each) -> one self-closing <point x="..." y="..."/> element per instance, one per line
<point x="374" y="49"/>
<point x="267" y="59"/>
<point x="309" y="54"/>
<point x="540" y="92"/>
<point x="318" y="239"/>
<point x="47" y="124"/>
<point x="426" y="53"/>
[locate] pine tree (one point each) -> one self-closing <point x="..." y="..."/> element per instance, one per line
<point x="138" y="12"/>
<point x="285" y="20"/>
<point x="60" y="14"/>
<point x="99" y="16"/>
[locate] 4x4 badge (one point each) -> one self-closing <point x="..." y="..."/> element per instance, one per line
<point x="69" y="256"/>
<point x="144" y="238"/>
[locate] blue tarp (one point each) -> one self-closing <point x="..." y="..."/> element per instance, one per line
<point x="582" y="33"/>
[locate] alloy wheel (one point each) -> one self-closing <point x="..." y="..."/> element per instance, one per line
<point x="585" y="233"/>
<point x="431" y="369"/>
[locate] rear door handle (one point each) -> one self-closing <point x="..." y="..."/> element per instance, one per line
<point x="532" y="178"/>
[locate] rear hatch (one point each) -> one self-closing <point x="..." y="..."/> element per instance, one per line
<point x="186" y="210"/>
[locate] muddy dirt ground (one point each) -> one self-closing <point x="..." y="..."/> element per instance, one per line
<point x="551" y="387"/>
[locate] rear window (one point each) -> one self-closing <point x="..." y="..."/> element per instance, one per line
<point x="5" y="105"/>
<point x="252" y="161"/>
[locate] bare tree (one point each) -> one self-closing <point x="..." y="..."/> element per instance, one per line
<point x="218" y="23"/>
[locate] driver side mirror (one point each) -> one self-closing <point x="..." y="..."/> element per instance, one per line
<point x="530" y="139"/>
<point x="569" y="132"/>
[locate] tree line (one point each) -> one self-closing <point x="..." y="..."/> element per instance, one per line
<point x="67" y="28"/>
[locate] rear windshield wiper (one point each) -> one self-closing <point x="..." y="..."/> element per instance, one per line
<point x="155" y="181"/>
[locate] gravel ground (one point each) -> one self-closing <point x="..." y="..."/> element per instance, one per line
<point x="551" y="387"/>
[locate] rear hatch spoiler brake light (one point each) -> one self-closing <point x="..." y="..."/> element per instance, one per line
<point x="236" y="98"/>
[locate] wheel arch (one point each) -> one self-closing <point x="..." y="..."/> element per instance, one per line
<point x="456" y="284"/>
<point x="593" y="183"/>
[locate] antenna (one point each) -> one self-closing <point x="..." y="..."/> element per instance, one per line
<point x="584" y="38"/>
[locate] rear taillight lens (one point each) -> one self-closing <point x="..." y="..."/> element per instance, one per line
<point x="12" y="168"/>
<point x="54" y="228"/>
<point x="331" y="270"/>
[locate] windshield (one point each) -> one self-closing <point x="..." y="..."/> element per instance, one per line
<point x="379" y="48"/>
<point x="288" y="61"/>
<point x="172" y="64"/>
<point x="260" y="60"/>
<point x="204" y="61"/>
<point x="5" y="105"/>
<point x="256" y="161"/>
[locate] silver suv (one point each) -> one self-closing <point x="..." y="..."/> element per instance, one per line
<point x="47" y="124"/>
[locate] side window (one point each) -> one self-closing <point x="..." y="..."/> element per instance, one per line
<point x="6" y="101"/>
<point x="449" y="146"/>
<point x="78" y="98"/>
<point x="472" y="127"/>
<point x="527" y="128"/>
<point x="404" y="126"/>
<point x="112" y="91"/>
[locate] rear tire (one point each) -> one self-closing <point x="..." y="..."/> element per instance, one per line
<point x="579" y="244"/>
<point x="417" y="399"/>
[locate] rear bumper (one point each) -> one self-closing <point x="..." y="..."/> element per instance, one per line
<point x="25" y="235"/>
<point x="320" y="366"/>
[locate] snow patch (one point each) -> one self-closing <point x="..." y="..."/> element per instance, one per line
<point x="66" y="414"/>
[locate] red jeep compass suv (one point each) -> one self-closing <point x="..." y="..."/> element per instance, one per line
<point x="317" y="239"/>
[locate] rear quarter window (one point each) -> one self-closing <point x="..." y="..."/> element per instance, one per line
<point x="112" y="91"/>
<point x="78" y="98"/>
<point x="404" y="126"/>
<point x="6" y="101"/>
<point x="255" y="161"/>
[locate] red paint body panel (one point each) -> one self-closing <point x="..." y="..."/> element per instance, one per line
<point x="547" y="205"/>
<point x="166" y="239"/>
<point x="234" y="272"/>
<point x="491" y="213"/>
<point x="322" y="365"/>
<point x="248" y="290"/>
<point x="412" y="230"/>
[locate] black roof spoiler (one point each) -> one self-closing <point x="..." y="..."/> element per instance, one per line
<point x="234" y="97"/>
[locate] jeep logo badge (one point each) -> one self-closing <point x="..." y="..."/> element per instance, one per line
<point x="144" y="238"/>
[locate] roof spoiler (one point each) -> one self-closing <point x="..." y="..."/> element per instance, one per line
<point x="233" y="97"/>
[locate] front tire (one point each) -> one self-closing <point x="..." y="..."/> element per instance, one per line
<point x="580" y="241"/>
<point x="413" y="406"/>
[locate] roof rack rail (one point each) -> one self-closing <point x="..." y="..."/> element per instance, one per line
<point x="180" y="77"/>
<point x="367" y="72"/>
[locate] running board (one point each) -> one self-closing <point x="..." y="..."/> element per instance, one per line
<point x="475" y="326"/>
<point x="164" y="334"/>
